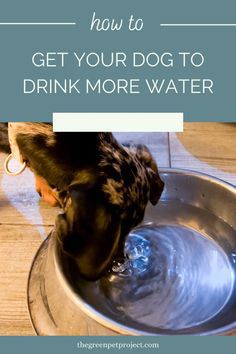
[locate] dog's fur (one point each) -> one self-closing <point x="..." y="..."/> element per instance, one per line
<point x="102" y="186"/>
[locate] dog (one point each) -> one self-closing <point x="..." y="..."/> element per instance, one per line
<point x="102" y="186"/>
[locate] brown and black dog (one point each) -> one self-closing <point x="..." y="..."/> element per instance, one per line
<point x="102" y="186"/>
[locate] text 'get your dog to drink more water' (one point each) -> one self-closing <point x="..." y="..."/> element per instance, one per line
<point x="122" y="84"/>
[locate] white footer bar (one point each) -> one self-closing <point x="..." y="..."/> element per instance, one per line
<point x="117" y="122"/>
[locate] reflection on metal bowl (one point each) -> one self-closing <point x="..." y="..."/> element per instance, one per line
<point x="179" y="276"/>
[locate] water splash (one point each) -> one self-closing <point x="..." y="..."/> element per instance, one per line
<point x="137" y="250"/>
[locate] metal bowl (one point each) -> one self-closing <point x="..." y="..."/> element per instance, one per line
<point x="179" y="277"/>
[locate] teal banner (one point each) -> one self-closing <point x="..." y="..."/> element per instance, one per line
<point x="117" y="56"/>
<point x="158" y="345"/>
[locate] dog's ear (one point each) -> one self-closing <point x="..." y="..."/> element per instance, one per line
<point x="156" y="184"/>
<point x="89" y="231"/>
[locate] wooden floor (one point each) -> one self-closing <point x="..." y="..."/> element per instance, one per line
<point x="25" y="220"/>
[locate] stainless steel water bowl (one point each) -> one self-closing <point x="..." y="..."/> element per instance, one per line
<point x="179" y="276"/>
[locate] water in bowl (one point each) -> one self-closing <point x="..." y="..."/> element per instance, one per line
<point x="172" y="278"/>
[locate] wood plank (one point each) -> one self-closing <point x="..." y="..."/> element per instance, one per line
<point x="18" y="247"/>
<point x="206" y="147"/>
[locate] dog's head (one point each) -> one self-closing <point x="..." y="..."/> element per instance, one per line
<point x="89" y="230"/>
<point x="101" y="212"/>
